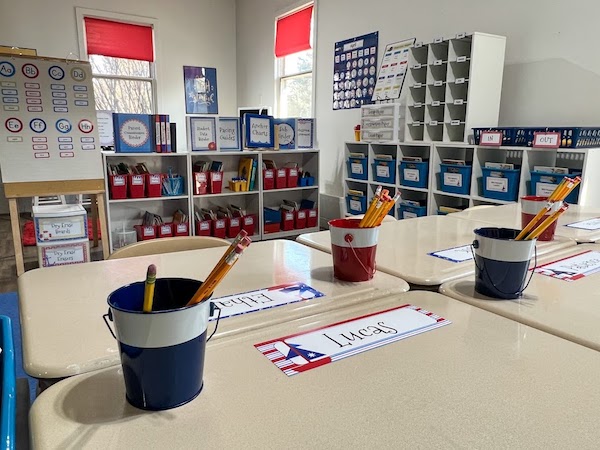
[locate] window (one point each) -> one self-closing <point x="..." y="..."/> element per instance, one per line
<point x="122" y="60"/>
<point x="294" y="59"/>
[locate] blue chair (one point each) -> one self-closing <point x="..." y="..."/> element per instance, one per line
<point x="8" y="394"/>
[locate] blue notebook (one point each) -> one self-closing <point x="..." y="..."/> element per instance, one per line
<point x="286" y="133"/>
<point x="134" y="133"/>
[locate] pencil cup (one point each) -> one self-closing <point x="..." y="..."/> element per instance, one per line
<point x="530" y="206"/>
<point x="353" y="250"/>
<point x="162" y="352"/>
<point x="501" y="263"/>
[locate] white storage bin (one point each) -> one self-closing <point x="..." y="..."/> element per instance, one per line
<point x="63" y="253"/>
<point x="59" y="223"/>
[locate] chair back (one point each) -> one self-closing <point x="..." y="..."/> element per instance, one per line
<point x="8" y="390"/>
<point x="168" y="245"/>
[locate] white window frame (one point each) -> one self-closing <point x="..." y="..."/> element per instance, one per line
<point x="279" y="61"/>
<point x="81" y="13"/>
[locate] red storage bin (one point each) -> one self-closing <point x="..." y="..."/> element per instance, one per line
<point x="118" y="186"/>
<point x="272" y="227"/>
<point x="164" y="230"/>
<point x="268" y="179"/>
<point x="137" y="186"/>
<point x="234" y="225"/>
<point x="215" y="182"/>
<point x="249" y="224"/>
<point x="200" y="183"/>
<point x="145" y="232"/>
<point x="203" y="227"/>
<point x="219" y="228"/>
<point x="153" y="184"/>
<point x="312" y="218"/>
<point x="300" y="219"/>
<point x="281" y="179"/>
<point x="181" y="229"/>
<point x="287" y="220"/>
<point x="292" y="177"/>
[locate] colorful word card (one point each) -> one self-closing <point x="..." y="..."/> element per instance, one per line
<point x="455" y="254"/>
<point x="234" y="305"/>
<point x="310" y="349"/>
<point x="589" y="224"/>
<point x="572" y="268"/>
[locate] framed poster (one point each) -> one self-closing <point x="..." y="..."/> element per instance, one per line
<point x="229" y="133"/>
<point x="258" y="131"/>
<point x="354" y="71"/>
<point x="202" y="133"/>
<point x="392" y="70"/>
<point x="200" y="90"/>
<point x="285" y="133"/>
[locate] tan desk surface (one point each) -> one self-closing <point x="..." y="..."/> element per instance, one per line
<point x="570" y="310"/>
<point x="62" y="307"/>
<point x="481" y="382"/>
<point x="510" y="216"/>
<point x="404" y="245"/>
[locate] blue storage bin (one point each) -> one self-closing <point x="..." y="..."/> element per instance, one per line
<point x="173" y="186"/>
<point x="543" y="183"/>
<point x="384" y="171"/>
<point x="306" y="181"/>
<point x="409" y="211"/>
<point x="503" y="187"/>
<point x="357" y="168"/>
<point x="356" y="204"/>
<point x="455" y="179"/>
<point x="8" y="390"/>
<point x="414" y="174"/>
<point x="272" y="215"/>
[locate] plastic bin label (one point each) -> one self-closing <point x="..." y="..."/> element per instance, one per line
<point x="220" y="224"/>
<point x="453" y="179"/>
<point x="148" y="231"/>
<point x="355" y="205"/>
<point x="137" y="180"/>
<point x="408" y="215"/>
<point x="496" y="184"/>
<point x="461" y="59"/>
<point x="119" y="181"/>
<point x="301" y="214"/>
<point x="493" y="138"/>
<point x="544" y="189"/>
<point x="53" y="229"/>
<point x="546" y="140"/>
<point x="357" y="168"/>
<point x="165" y="229"/>
<point x="56" y="256"/>
<point x="154" y="179"/>
<point x="216" y="176"/>
<point x="312" y="213"/>
<point x="181" y="228"/>
<point x="234" y="222"/>
<point x="268" y="174"/>
<point x="383" y="171"/>
<point x="411" y="175"/>
<point x="204" y="226"/>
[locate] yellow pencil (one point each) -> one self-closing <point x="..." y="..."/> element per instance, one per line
<point x="149" y="288"/>
<point x="546" y="223"/>
<point x="377" y="211"/>
<point x="364" y="220"/>
<point x="557" y="190"/>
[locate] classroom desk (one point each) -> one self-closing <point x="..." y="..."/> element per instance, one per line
<point x="62" y="307"/>
<point x="510" y="216"/>
<point x="480" y="382"/>
<point x="404" y="245"/>
<point x="570" y="310"/>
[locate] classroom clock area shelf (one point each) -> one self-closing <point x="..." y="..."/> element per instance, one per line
<point x="211" y="180"/>
<point x="439" y="177"/>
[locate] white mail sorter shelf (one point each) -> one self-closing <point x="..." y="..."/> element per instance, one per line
<point x="454" y="85"/>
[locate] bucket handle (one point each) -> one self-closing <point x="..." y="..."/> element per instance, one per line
<point x="349" y="238"/>
<point x="108" y="316"/>
<point x="476" y="245"/>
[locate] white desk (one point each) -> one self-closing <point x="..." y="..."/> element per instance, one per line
<point x="570" y="310"/>
<point x="510" y="216"/>
<point x="404" y="245"/>
<point x="481" y="382"/>
<point x="62" y="307"/>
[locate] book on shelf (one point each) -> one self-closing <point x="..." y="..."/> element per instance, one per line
<point x="384" y="157"/>
<point x="410" y="203"/>
<point x="495" y="165"/>
<point x="412" y="158"/>
<point x="356" y="192"/>
<point x="449" y="209"/>
<point x="245" y="171"/>
<point x="456" y="162"/>
<point x="133" y="133"/>
<point x="547" y="169"/>
<point x="253" y="174"/>
<point x="353" y="155"/>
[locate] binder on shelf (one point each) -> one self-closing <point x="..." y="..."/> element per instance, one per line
<point x="285" y="134"/>
<point x="157" y="141"/>
<point x="133" y="133"/>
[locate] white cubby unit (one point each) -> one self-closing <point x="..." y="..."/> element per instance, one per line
<point x="124" y="213"/>
<point x="453" y="85"/>
<point x="435" y="184"/>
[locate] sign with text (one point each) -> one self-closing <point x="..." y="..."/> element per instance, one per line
<point x="546" y="140"/>
<point x="234" y="305"/>
<point x="572" y="268"/>
<point x="259" y="131"/>
<point x="491" y="138"/>
<point x="455" y="254"/>
<point x="229" y="133"/>
<point x="202" y="133"/>
<point x="311" y="349"/>
<point x="589" y="224"/>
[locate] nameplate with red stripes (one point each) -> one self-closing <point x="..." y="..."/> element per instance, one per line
<point x="573" y="267"/>
<point x="310" y="349"/>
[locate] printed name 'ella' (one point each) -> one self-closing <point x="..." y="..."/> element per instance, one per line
<point x="347" y="339"/>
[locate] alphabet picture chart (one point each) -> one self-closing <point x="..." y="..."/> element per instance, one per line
<point x="355" y="71"/>
<point x="310" y="349"/>
<point x="48" y="129"/>
<point x="572" y="268"/>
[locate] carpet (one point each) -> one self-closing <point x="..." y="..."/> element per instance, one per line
<point x="9" y="306"/>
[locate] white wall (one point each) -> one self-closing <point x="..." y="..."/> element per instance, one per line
<point x="551" y="76"/>
<point x="189" y="32"/>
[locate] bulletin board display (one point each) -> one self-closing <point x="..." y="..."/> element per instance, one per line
<point x="355" y="71"/>
<point x="48" y="128"/>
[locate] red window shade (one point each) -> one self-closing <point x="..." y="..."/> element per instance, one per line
<point x="119" y="40"/>
<point x="293" y="33"/>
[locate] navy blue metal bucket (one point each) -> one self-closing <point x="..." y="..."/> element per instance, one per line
<point x="501" y="263"/>
<point x="162" y="352"/>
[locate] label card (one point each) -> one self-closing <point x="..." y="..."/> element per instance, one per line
<point x="311" y="349"/>
<point x="589" y="224"/>
<point x="411" y="175"/>
<point x="572" y="268"/>
<point x="544" y="189"/>
<point x="496" y="184"/>
<point x="546" y="140"/>
<point x="355" y="205"/>
<point x="229" y="133"/>
<point x="61" y="255"/>
<point x="491" y="138"/>
<point x="356" y="168"/>
<point x="234" y="305"/>
<point x="305" y="131"/>
<point x="453" y="179"/>
<point x="383" y="171"/>
<point x="61" y="228"/>
<point x="203" y="133"/>
<point x="455" y="254"/>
